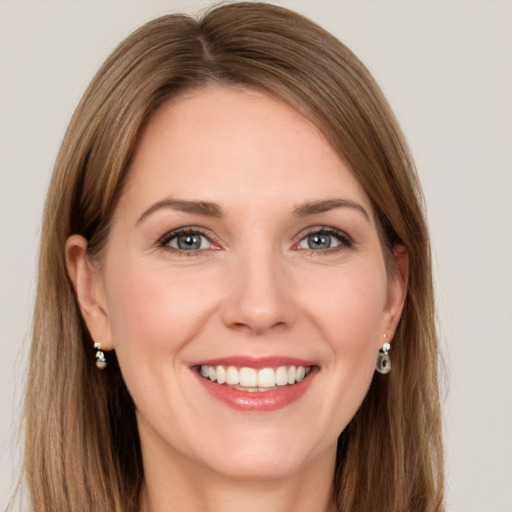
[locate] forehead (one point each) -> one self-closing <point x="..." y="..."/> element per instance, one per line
<point x="238" y="147"/>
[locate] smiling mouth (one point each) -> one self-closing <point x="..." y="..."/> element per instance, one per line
<point x="252" y="379"/>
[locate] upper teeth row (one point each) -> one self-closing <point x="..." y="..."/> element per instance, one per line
<point x="250" y="377"/>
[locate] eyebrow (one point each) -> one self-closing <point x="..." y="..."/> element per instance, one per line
<point x="199" y="207"/>
<point x="209" y="209"/>
<point x="316" y="207"/>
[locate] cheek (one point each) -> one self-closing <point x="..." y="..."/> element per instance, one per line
<point x="357" y="331"/>
<point x="351" y="309"/>
<point x="350" y="317"/>
<point x="154" y="312"/>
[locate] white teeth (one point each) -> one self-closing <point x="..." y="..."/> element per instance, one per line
<point x="266" y="378"/>
<point x="291" y="375"/>
<point x="232" y="376"/>
<point x="221" y="374"/>
<point x="248" y="377"/>
<point x="252" y="379"/>
<point x="281" y="376"/>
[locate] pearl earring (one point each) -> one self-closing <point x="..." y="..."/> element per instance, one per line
<point x="383" y="364"/>
<point x="101" y="362"/>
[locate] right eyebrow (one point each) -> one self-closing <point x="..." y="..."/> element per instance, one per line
<point x="199" y="207"/>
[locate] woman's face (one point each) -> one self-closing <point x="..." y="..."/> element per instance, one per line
<point x="242" y="248"/>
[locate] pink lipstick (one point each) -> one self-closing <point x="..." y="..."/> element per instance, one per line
<point x="256" y="384"/>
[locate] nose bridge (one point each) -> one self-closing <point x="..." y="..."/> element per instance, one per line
<point x="259" y="297"/>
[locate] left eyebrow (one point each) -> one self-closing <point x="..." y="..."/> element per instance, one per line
<point x="315" y="207"/>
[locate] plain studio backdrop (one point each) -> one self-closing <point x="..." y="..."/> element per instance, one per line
<point x="446" y="68"/>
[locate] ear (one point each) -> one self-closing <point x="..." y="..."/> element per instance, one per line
<point x="397" y="290"/>
<point x="89" y="289"/>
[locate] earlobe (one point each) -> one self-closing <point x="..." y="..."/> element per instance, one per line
<point x="397" y="288"/>
<point x="89" y="289"/>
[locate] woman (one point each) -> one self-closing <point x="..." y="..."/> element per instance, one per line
<point x="233" y="240"/>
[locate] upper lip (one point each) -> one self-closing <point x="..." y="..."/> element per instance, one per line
<point x="255" y="362"/>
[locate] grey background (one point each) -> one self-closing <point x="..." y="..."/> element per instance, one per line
<point x="446" y="69"/>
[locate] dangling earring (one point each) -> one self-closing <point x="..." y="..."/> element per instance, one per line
<point x="101" y="362"/>
<point x="383" y="364"/>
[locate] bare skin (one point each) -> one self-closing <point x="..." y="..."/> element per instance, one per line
<point x="307" y="492"/>
<point x="239" y="234"/>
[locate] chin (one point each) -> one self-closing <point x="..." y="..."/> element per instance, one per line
<point x="267" y="455"/>
<point x="259" y="467"/>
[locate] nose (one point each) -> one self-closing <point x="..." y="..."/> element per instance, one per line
<point x="259" y="296"/>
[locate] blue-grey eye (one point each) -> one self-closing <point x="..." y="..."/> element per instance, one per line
<point x="319" y="241"/>
<point x="189" y="242"/>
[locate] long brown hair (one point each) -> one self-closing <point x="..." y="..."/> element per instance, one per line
<point x="82" y="445"/>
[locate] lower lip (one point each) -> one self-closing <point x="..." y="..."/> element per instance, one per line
<point x="258" y="400"/>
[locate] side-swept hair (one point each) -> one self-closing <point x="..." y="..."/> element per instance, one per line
<point x="82" y="447"/>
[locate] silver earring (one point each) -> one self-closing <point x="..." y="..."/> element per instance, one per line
<point x="101" y="362"/>
<point x="383" y="364"/>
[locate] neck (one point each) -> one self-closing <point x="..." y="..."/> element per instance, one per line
<point x="182" y="485"/>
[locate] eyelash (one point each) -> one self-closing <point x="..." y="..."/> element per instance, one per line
<point x="171" y="235"/>
<point x="345" y="241"/>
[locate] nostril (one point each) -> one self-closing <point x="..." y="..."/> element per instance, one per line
<point x="258" y="328"/>
<point x="239" y="326"/>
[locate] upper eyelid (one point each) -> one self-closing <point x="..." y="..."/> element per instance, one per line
<point x="323" y="229"/>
